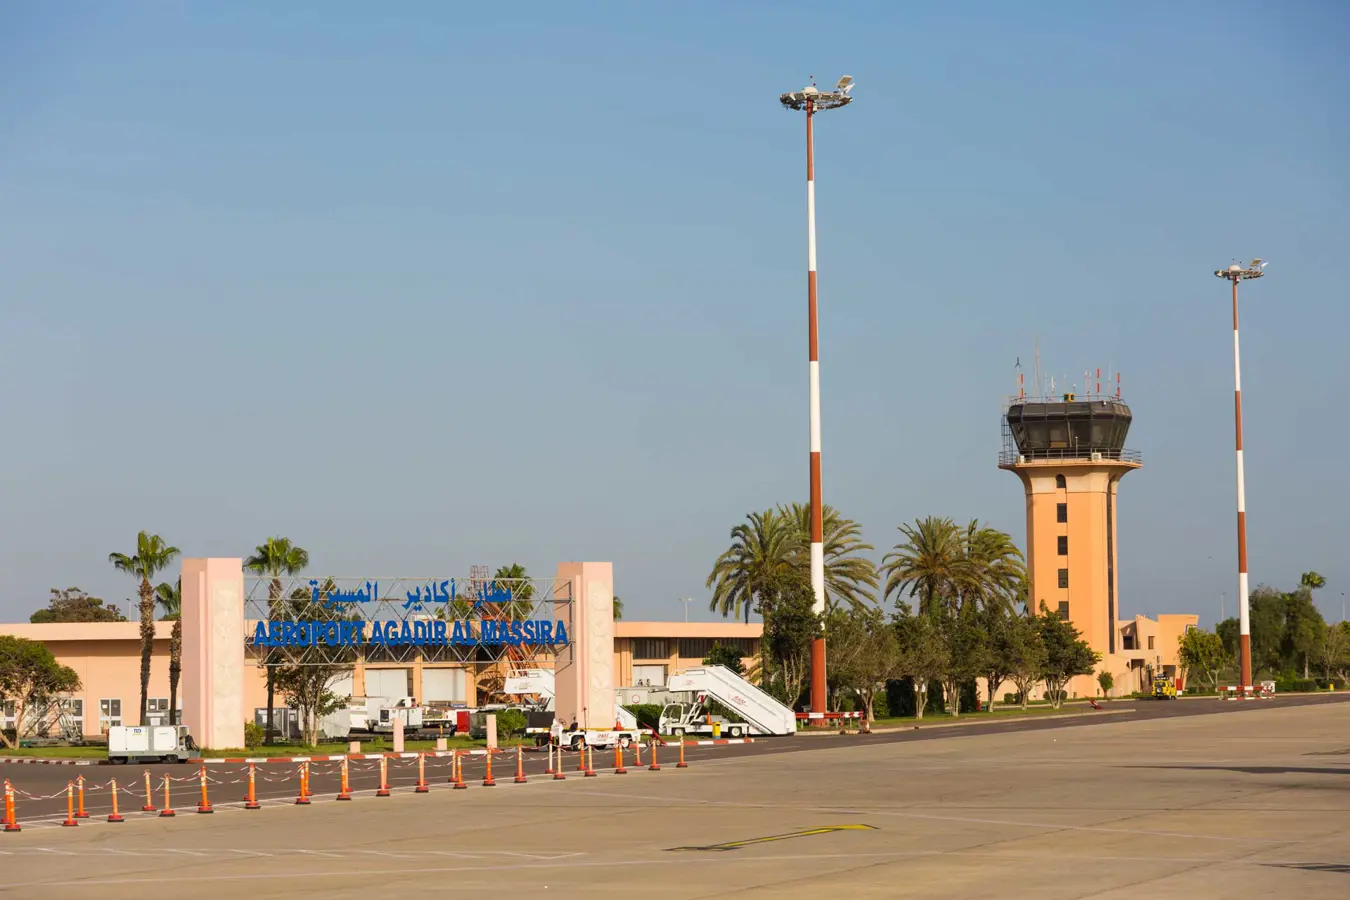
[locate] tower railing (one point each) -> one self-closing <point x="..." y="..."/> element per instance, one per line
<point x="1009" y="456"/>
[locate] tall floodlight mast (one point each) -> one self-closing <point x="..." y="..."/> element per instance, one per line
<point x="1236" y="273"/>
<point x="813" y="100"/>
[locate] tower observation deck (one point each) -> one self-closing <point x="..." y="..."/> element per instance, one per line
<point x="1070" y="427"/>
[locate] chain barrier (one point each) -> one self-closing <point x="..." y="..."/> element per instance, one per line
<point x="251" y="774"/>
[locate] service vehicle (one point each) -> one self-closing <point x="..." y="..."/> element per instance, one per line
<point x="1164" y="688"/>
<point x="150" y="743"/>
<point x="680" y="719"/>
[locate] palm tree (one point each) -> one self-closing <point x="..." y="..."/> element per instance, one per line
<point x="618" y="608"/>
<point x="761" y="549"/>
<point x="152" y="557"/>
<point x="993" y="571"/>
<point x="848" y="575"/>
<point x="170" y="598"/>
<point x="521" y="590"/>
<point x="929" y="564"/>
<point x="277" y="557"/>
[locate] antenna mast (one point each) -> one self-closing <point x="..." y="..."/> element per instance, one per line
<point x="1038" y="384"/>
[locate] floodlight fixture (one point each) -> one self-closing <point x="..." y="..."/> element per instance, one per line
<point x="813" y="99"/>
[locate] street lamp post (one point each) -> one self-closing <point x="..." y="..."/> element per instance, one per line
<point x="1236" y="273"/>
<point x="686" y="601"/>
<point x="812" y="100"/>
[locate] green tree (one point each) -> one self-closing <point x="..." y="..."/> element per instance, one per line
<point x="1066" y="654"/>
<point x="308" y="690"/>
<point x="1304" y="626"/>
<point x="967" y="654"/>
<point x="864" y="653"/>
<point x="1267" y="618"/>
<point x="927" y="565"/>
<point x="762" y="549"/>
<point x="1106" y="681"/>
<point x="1227" y="630"/>
<point x="993" y="571"/>
<point x="307" y="686"/>
<point x="1023" y="655"/>
<point x="1203" y="652"/>
<point x="1334" y="654"/>
<point x="850" y="578"/>
<point x="995" y="626"/>
<point x="1312" y="581"/>
<point x="170" y="599"/>
<point x="790" y="627"/>
<point x="152" y="556"/>
<point x="74" y="605"/>
<point x="276" y="557"/>
<point x="515" y="580"/>
<point x="30" y="677"/>
<point x="724" y="655"/>
<point x="618" y="608"/>
<point x="923" y="653"/>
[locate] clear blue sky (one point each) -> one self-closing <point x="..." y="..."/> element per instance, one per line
<point x="435" y="285"/>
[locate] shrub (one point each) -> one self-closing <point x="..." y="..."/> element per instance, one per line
<point x="900" y="698"/>
<point x="1325" y="683"/>
<point x="648" y="714"/>
<point x="511" y="723"/>
<point x="253" y="735"/>
<point x="1292" y="684"/>
<point x="1013" y="699"/>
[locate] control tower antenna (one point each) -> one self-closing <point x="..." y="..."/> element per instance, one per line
<point x="1037" y="384"/>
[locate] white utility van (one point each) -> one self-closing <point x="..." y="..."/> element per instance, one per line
<point x="150" y="743"/>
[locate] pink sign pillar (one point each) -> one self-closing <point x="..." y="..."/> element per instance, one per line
<point x="584" y="677"/>
<point x="213" y="651"/>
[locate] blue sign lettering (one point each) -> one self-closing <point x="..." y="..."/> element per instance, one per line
<point x="393" y="633"/>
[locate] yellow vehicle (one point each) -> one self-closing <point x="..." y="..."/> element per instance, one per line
<point x="1164" y="688"/>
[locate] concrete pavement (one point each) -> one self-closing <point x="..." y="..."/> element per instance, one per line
<point x="1246" y="805"/>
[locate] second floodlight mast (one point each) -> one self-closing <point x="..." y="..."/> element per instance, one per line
<point x="813" y="100"/>
<point x="1236" y="273"/>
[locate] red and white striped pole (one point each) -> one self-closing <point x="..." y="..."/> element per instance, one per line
<point x="819" y="694"/>
<point x="812" y="100"/>
<point x="1236" y="273"/>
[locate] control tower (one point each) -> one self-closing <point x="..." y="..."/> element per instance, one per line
<point x="1069" y="451"/>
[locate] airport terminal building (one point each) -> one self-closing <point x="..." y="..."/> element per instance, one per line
<point x="106" y="656"/>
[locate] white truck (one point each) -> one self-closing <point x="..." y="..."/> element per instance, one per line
<point x="540" y="682"/>
<point x="405" y="709"/>
<point x="150" y="743"/>
<point x="680" y="719"/>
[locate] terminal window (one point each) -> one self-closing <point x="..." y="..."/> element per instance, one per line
<point x="1060" y="482"/>
<point x="109" y="714"/>
<point x="1063" y="578"/>
<point x="1064" y="609"/>
<point x="1061" y="512"/>
<point x="1063" y="545"/>
<point x="1150" y="642"/>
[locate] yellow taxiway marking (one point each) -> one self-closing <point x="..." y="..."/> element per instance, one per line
<point x="736" y="845"/>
